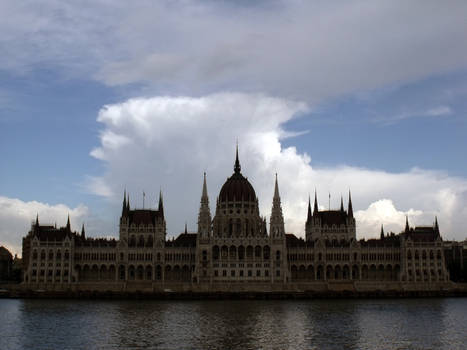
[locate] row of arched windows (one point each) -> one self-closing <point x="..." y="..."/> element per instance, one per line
<point x="51" y="255"/>
<point x="141" y="242"/>
<point x="424" y="254"/>
<point x="240" y="252"/>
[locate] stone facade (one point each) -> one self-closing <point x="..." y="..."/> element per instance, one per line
<point x="233" y="250"/>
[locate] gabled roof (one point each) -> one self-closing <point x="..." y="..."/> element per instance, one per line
<point x="422" y="234"/>
<point x="332" y="217"/>
<point x="51" y="233"/>
<point x="183" y="240"/>
<point x="144" y="216"/>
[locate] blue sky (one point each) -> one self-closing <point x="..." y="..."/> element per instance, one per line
<point x="344" y="95"/>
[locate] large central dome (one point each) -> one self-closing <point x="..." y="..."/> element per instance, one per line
<point x="237" y="187"/>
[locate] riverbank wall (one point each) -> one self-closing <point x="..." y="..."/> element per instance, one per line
<point x="357" y="289"/>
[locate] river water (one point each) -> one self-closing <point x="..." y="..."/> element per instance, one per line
<point x="234" y="324"/>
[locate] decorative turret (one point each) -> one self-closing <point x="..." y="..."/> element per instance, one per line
<point x="37" y="220"/>
<point x="436" y="225"/>
<point x="124" y="205"/>
<point x="342" y="204"/>
<point x="83" y="234"/>
<point x="350" y="210"/>
<point x="315" y="207"/>
<point x="68" y="227"/>
<point x="161" y="204"/>
<point x="407" y="228"/>
<point x="204" y="216"/>
<point x="382" y="232"/>
<point x="308" y="218"/>
<point x="277" y="219"/>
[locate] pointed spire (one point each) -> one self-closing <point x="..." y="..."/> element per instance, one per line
<point x="37" y="220"/>
<point x="83" y="234"/>
<point x="205" y="188"/>
<point x="204" y="215"/>
<point x="315" y="207"/>
<point x="124" y="205"/>
<point x="276" y="220"/>
<point x="237" y="167"/>
<point x="161" y="204"/>
<point x="342" y="204"/>
<point x="350" y="210"/>
<point x="407" y="228"/>
<point x="186" y="228"/>
<point x="436" y="225"/>
<point x="382" y="232"/>
<point x="68" y="223"/>
<point x="308" y="219"/>
<point x="276" y="189"/>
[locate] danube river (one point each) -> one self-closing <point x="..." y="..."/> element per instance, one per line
<point x="234" y="324"/>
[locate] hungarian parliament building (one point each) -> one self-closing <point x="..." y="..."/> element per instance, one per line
<point x="235" y="250"/>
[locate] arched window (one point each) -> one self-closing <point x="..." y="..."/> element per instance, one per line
<point x="67" y="255"/>
<point x="241" y="252"/>
<point x="257" y="251"/>
<point x="51" y="255"/>
<point x="150" y="242"/>
<point x="215" y="252"/>
<point x="246" y="227"/>
<point x="141" y="241"/>
<point x="238" y="229"/>
<point x="278" y="255"/>
<point x="266" y="252"/>
<point x="230" y="227"/>
<point x="59" y="255"/>
<point x="409" y="255"/>
<point x="34" y="255"/>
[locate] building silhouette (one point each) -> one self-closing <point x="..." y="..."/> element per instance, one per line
<point x="234" y="250"/>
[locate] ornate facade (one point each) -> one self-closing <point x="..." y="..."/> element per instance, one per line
<point x="235" y="250"/>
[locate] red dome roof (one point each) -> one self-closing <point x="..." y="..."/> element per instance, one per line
<point x="237" y="188"/>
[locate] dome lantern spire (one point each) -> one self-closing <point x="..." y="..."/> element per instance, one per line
<point x="237" y="166"/>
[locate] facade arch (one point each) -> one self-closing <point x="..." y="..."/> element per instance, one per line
<point x="249" y="252"/>
<point x="233" y="252"/>
<point x="258" y="252"/>
<point x="346" y="272"/>
<point x="266" y="252"/>
<point x="310" y="273"/>
<point x="241" y="252"/>
<point x="215" y="252"/>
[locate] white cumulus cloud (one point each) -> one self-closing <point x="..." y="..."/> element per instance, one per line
<point x="171" y="141"/>
<point x="16" y="217"/>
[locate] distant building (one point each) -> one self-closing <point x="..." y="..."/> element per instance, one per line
<point x="6" y="264"/>
<point x="234" y="250"/>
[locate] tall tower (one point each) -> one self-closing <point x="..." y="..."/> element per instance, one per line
<point x="309" y="223"/>
<point x="276" y="228"/>
<point x="204" y="216"/>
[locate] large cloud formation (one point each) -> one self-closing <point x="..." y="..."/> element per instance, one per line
<point x="16" y="217"/>
<point x="168" y="142"/>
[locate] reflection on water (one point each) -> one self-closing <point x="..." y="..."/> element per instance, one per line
<point x="234" y="324"/>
